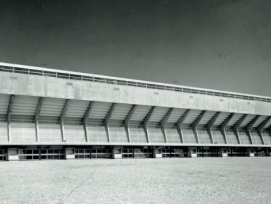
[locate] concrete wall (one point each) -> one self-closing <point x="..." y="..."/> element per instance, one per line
<point x="23" y="84"/>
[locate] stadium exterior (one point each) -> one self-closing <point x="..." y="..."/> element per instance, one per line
<point x="56" y="114"/>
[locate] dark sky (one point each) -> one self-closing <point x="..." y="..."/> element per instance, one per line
<point x="222" y="44"/>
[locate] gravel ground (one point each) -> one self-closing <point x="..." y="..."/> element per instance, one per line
<point x="178" y="180"/>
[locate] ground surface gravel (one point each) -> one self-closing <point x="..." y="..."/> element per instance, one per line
<point x="178" y="180"/>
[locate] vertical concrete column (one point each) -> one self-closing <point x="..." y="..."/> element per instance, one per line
<point x="113" y="152"/>
<point x="9" y="132"/>
<point x="39" y="152"/>
<point x="37" y="130"/>
<point x="146" y="121"/>
<point x="196" y="122"/>
<point x="107" y="119"/>
<point x="10" y="106"/>
<point x="224" y="124"/>
<point x="154" y="152"/>
<point x="90" y="149"/>
<point x="37" y="115"/>
<point x="180" y="122"/>
<point x="62" y="117"/>
<point x="133" y="152"/>
<point x="127" y="120"/>
<point x="163" y="123"/>
<point x="62" y="131"/>
<point x="85" y="119"/>
<point x="210" y="125"/>
<point x="85" y="131"/>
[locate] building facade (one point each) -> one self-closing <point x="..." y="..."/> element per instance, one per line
<point x="56" y="114"/>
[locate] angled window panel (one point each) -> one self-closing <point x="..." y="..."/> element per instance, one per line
<point x="137" y="134"/>
<point x="23" y="132"/>
<point x="259" y="121"/>
<point x="52" y="107"/>
<point x="158" y="114"/>
<point x="266" y="137"/>
<point x="77" y="109"/>
<point x="3" y="132"/>
<point x="176" y="115"/>
<point x="218" y="136"/>
<point x="156" y="135"/>
<point x="221" y="118"/>
<point x="244" y="138"/>
<point x="97" y="133"/>
<point x="74" y="131"/>
<point x="207" y="117"/>
<point x="248" y="119"/>
<point x="25" y="105"/>
<point x="173" y="135"/>
<point x="49" y="130"/>
<point x="140" y="113"/>
<point x="100" y="110"/>
<point x="255" y="137"/>
<point x="193" y="114"/>
<point x="234" y="119"/>
<point x="231" y="136"/>
<point x="118" y="134"/>
<point x="189" y="136"/>
<point x="4" y="103"/>
<point x="121" y="111"/>
<point x="203" y="135"/>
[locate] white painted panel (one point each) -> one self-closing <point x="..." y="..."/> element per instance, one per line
<point x="13" y="157"/>
<point x="70" y="156"/>
<point x="158" y="155"/>
<point x="118" y="156"/>
<point x="193" y="155"/>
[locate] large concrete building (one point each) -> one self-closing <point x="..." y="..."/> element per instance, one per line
<point x="56" y="114"/>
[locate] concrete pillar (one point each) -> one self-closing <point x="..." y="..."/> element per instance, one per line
<point x="39" y="152"/>
<point x="250" y="152"/>
<point x="153" y="152"/>
<point x="69" y="153"/>
<point x="223" y="152"/>
<point x="12" y="154"/>
<point x="192" y="152"/>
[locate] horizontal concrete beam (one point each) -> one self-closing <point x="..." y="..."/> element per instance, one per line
<point x="42" y="86"/>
